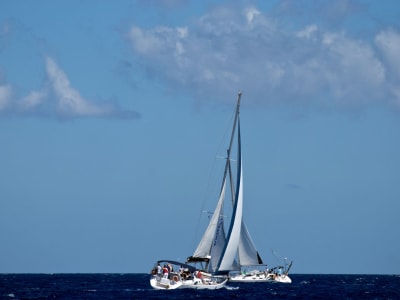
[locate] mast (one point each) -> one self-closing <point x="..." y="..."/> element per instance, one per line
<point x="228" y="164"/>
<point x="228" y="169"/>
<point x="234" y="123"/>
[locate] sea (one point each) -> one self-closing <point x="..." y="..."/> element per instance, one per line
<point x="136" y="286"/>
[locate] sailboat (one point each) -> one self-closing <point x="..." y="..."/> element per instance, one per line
<point x="229" y="253"/>
<point x="183" y="276"/>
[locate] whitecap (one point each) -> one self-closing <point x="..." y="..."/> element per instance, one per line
<point x="232" y="288"/>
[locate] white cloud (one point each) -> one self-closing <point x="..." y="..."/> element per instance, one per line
<point x="58" y="99"/>
<point x="356" y="74"/>
<point x="251" y="13"/>
<point x="5" y="96"/>
<point x="144" y="42"/>
<point x="388" y="43"/>
<point x="227" y="50"/>
<point x="307" y="32"/>
<point x="33" y="99"/>
<point x="70" y="102"/>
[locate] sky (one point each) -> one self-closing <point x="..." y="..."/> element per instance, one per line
<point x="113" y="115"/>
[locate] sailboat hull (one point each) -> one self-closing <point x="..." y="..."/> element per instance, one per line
<point x="203" y="285"/>
<point x="165" y="283"/>
<point x="197" y="284"/>
<point x="188" y="277"/>
<point x="260" y="277"/>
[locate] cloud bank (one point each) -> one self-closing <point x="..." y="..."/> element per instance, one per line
<point x="228" y="49"/>
<point x="57" y="99"/>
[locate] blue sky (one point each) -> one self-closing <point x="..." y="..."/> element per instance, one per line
<point x="112" y="115"/>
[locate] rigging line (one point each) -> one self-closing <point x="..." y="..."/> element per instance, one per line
<point x="224" y="157"/>
<point x="278" y="257"/>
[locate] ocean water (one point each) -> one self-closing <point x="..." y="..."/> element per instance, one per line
<point x="136" y="286"/>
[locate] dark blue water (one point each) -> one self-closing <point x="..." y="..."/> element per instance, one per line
<point x="136" y="286"/>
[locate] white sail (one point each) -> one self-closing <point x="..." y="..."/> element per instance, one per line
<point x="248" y="255"/>
<point x="217" y="246"/>
<point x="213" y="240"/>
<point x="227" y="262"/>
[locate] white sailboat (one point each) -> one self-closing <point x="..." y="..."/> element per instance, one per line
<point x="169" y="280"/>
<point x="229" y="253"/>
<point x="183" y="276"/>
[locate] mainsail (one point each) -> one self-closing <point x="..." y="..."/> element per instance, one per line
<point x="227" y="261"/>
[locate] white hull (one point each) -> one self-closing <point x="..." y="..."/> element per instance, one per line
<point x="261" y="277"/>
<point x="203" y="285"/>
<point x="165" y="283"/>
<point x="198" y="284"/>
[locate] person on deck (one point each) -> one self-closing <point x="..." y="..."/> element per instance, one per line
<point x="165" y="271"/>
<point x="159" y="269"/>
<point x="170" y="268"/>
<point x="198" y="275"/>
